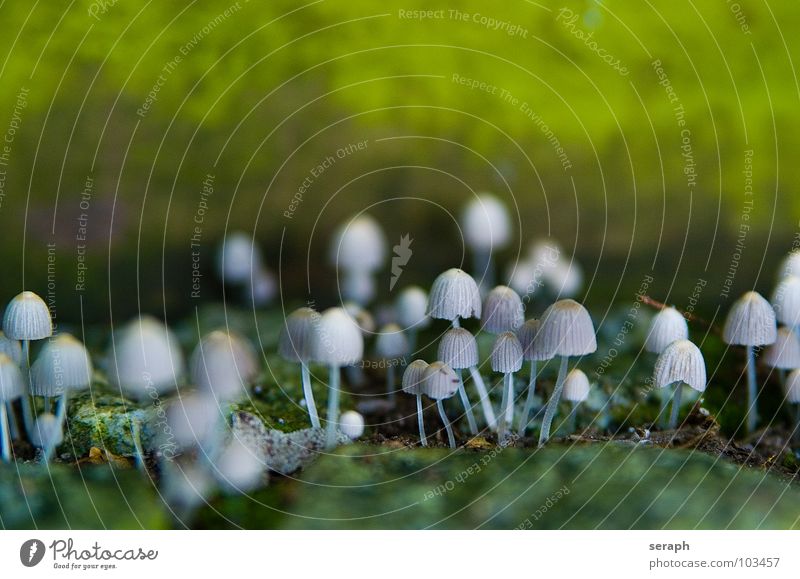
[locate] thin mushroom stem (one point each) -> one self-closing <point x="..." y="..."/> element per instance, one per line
<point x="526" y="410"/>
<point x="752" y="395"/>
<point x="572" y="419"/>
<point x="308" y="394"/>
<point x="4" y="434"/>
<point x="676" y="406"/>
<point x="552" y="404"/>
<point x="483" y="395"/>
<point x="421" y="422"/>
<point x="333" y="408"/>
<point x="456" y="322"/>
<point x="663" y="412"/>
<point x="27" y="410"/>
<point x="450" y="436"/>
<point x="390" y="381"/>
<point x="47" y="404"/>
<point x="473" y="425"/>
<point x="136" y="432"/>
<point x="507" y="407"/>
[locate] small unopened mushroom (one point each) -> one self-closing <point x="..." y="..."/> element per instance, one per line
<point x="792" y="388"/>
<point x="680" y="363"/>
<point x="294" y="345"/>
<point x="359" y="249"/>
<point x="27" y="318"/>
<point x="48" y="433"/>
<point x="784" y="354"/>
<point x="487" y="229"/>
<point x="506" y="359"/>
<point x="751" y="323"/>
<point x="413" y="384"/>
<point x="440" y="382"/>
<point x="459" y="350"/>
<point x="146" y="359"/>
<point x="352" y="424"/>
<point x="411" y="308"/>
<point x="566" y="330"/>
<point x="666" y="326"/>
<point x="223" y="364"/>
<point x="238" y="257"/>
<point x="337" y="342"/>
<point x="392" y="347"/>
<point x="454" y="295"/>
<point x="527" y="335"/>
<point x="502" y="311"/>
<point x="576" y="390"/>
<point x="12" y="386"/>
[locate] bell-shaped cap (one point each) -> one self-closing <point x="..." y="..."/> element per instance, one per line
<point x="12" y="385"/>
<point x="454" y="294"/>
<point x="11" y="348"/>
<point x="47" y="432"/>
<point x="439" y="381"/>
<point x="238" y="259"/>
<point x="793" y="387"/>
<point x="351" y="423"/>
<point x="458" y="349"/>
<point x="391" y="342"/>
<point x="294" y="343"/>
<point x="784" y="354"/>
<point x="413" y="377"/>
<point x="145" y="358"/>
<point x="786" y="301"/>
<point x="27" y="317"/>
<point x="338" y="340"/>
<point x="63" y="364"/>
<point x="790" y="265"/>
<point x="222" y="364"/>
<point x="411" y="308"/>
<point x="506" y="353"/>
<point x="485" y="223"/>
<point x="667" y="326"/>
<point x="193" y="420"/>
<point x="359" y="245"/>
<point x="681" y="362"/>
<point x="527" y="336"/>
<point x="502" y="311"/>
<point x="566" y="330"/>
<point x="751" y="322"/>
<point x="564" y="278"/>
<point x="576" y="386"/>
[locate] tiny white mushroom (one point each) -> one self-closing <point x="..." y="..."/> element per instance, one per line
<point x="784" y="354"/>
<point x="48" y="433"/>
<point x="359" y="249"/>
<point x="195" y="420"/>
<point x="440" y="382"/>
<point x="576" y="390"/>
<point x="506" y="359"/>
<point x="222" y="365"/>
<point x="238" y="258"/>
<point x="294" y="345"/>
<point x="666" y="326"/>
<point x="502" y="311"/>
<point x="352" y="424"/>
<point x="454" y="295"/>
<point x="527" y="335"/>
<point x="487" y="228"/>
<point x="786" y="302"/>
<point x="680" y="363"/>
<point x="413" y="384"/>
<point x="411" y="308"/>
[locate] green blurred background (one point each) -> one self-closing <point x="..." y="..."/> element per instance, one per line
<point x="145" y="100"/>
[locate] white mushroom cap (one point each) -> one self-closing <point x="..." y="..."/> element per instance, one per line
<point x="751" y="322"/>
<point x="351" y="423"/>
<point x="12" y="385"/>
<point x="458" y="349"/>
<point x="11" y="348"/>
<point x="564" y="278"/>
<point x="793" y="387"/>
<point x="239" y="467"/>
<point x="222" y="364"/>
<point x="454" y="294"/>
<point x="667" y="326"/>
<point x="786" y="301"/>
<point x="63" y="363"/>
<point x="506" y="353"/>
<point x="784" y="354"/>
<point x="359" y="245"/>
<point x="262" y="286"/>
<point x="527" y="335"/>
<point x="146" y="356"/>
<point x="486" y="223"/>
<point x="566" y="330"/>
<point x="27" y="318"/>
<point x="502" y="311"/>
<point x="439" y="381"/>
<point x="193" y="419"/>
<point x="47" y="431"/>
<point x="391" y="342"/>
<point x="238" y="258"/>
<point x="682" y="362"/>
<point x="294" y="343"/>
<point x="414" y="376"/>
<point x="412" y="308"/>
<point x="791" y="264"/>
<point x="338" y="340"/>
<point x="576" y="386"/>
